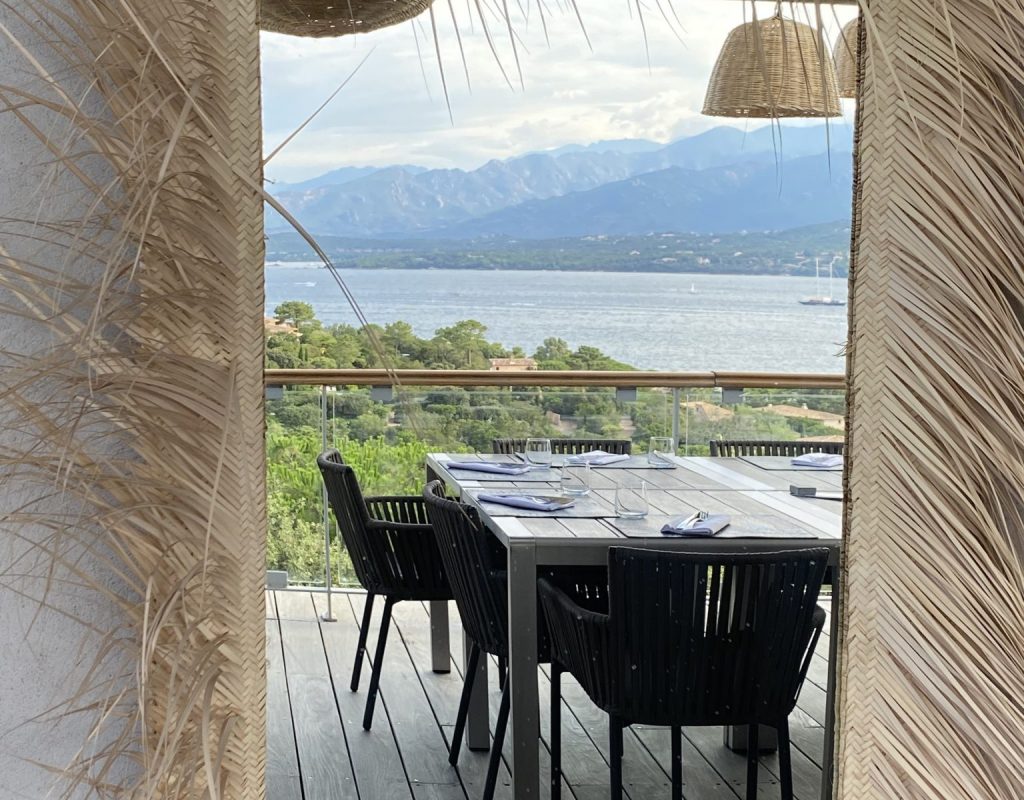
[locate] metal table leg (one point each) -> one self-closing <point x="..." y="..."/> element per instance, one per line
<point x="522" y="669"/>
<point x="440" y="650"/>
<point x="478" y="736"/>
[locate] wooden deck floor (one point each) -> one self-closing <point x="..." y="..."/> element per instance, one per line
<point x="317" y="749"/>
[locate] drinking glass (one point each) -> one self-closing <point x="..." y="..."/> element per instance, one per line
<point x="660" y="450"/>
<point x="631" y="500"/>
<point x="575" y="480"/>
<point x="538" y="452"/>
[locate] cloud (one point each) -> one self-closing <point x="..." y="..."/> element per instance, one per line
<point x="393" y="109"/>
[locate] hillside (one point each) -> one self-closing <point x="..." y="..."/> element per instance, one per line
<point x="789" y="252"/>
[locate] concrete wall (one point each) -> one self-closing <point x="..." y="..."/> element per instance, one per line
<point x="45" y="653"/>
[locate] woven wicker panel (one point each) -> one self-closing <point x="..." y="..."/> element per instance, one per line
<point x="773" y="68"/>
<point x="933" y="644"/>
<point x="144" y="409"/>
<point x="845" y="57"/>
<point x="321" y="18"/>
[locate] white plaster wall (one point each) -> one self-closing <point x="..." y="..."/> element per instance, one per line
<point x="45" y="647"/>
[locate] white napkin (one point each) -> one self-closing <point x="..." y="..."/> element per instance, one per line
<point x="596" y="458"/>
<point x="817" y="460"/>
<point x="529" y="502"/>
<point x="499" y="467"/>
<point x="687" y="526"/>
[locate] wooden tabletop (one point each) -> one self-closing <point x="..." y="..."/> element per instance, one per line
<point x="756" y="497"/>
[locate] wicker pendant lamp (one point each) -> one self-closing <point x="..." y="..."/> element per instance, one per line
<point x="322" y="18"/>
<point x="845" y="56"/>
<point x="773" y="68"/>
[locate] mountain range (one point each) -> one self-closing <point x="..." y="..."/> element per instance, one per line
<point x="723" y="180"/>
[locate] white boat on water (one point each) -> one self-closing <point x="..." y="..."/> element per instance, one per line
<point x="819" y="299"/>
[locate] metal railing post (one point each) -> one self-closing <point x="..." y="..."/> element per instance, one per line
<point x="328" y="615"/>
<point x="677" y="396"/>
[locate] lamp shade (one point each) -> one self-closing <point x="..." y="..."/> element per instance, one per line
<point x="773" y="68"/>
<point x="845" y="55"/>
<point x="322" y="18"/>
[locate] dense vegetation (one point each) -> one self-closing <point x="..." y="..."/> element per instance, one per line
<point x="790" y="252"/>
<point x="386" y="442"/>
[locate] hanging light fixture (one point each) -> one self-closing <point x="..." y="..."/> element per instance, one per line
<point x="321" y="18"/>
<point x="845" y="56"/>
<point x="773" y="68"/>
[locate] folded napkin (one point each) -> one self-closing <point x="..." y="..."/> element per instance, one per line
<point x="529" y="502"/>
<point x="596" y="458"/>
<point x="500" y="467"/>
<point x="817" y="460"/>
<point x="686" y="526"/>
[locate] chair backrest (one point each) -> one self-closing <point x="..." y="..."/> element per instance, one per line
<point x="346" y="499"/>
<point x="567" y="447"/>
<point x="709" y="639"/>
<point x="756" y="447"/>
<point x="479" y="592"/>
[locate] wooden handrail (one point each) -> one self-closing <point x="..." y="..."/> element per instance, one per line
<point x="553" y="378"/>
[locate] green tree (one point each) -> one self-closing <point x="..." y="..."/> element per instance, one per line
<point x="294" y="312"/>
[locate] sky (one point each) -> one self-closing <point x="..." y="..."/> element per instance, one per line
<point x="392" y="109"/>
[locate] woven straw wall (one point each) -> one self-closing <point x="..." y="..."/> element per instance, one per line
<point x="933" y="653"/>
<point x="137" y="420"/>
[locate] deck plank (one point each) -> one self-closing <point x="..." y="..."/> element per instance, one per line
<point x="405" y="756"/>
<point x="418" y="734"/>
<point x="376" y="759"/>
<point x="323" y="754"/>
<point x="283" y="778"/>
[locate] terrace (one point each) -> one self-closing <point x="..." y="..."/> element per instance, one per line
<point x="316" y="745"/>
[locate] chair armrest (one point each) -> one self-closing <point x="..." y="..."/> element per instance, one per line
<point x="579" y="640"/>
<point x="406" y="510"/>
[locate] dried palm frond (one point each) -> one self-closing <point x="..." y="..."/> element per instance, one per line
<point x="933" y="653"/>
<point x="133" y="461"/>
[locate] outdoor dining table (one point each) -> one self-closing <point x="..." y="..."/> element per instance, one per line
<point x="753" y="490"/>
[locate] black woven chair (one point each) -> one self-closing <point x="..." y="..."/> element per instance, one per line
<point x="755" y="447"/>
<point x="480" y="586"/>
<point x="393" y="552"/>
<point x="568" y="447"/>
<point x="690" y="639"/>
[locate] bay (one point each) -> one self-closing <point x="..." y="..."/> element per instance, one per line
<point x="653" y="321"/>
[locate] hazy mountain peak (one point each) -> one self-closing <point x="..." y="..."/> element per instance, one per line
<point x="619" y="184"/>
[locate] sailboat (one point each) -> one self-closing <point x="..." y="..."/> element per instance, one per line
<point x="819" y="299"/>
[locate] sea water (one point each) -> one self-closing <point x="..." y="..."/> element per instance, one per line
<point x="652" y="321"/>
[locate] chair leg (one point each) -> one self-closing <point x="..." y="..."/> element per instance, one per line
<point x="364" y="629"/>
<point x="467" y="692"/>
<point x="752" y="761"/>
<point x="615" y="755"/>
<point x="677" y="763"/>
<point x="502" y="671"/>
<point x="378" y="663"/>
<point x="499" y="741"/>
<point x="556" y="730"/>
<point x="785" y="762"/>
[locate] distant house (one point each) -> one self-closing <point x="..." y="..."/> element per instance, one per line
<point x="271" y="325"/>
<point x="513" y="364"/>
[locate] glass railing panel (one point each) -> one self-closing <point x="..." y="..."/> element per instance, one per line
<point x="385" y="435"/>
<point x="761" y="414"/>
